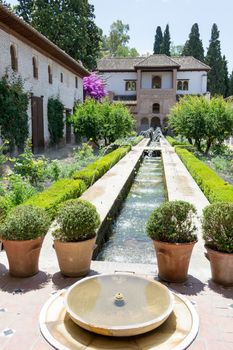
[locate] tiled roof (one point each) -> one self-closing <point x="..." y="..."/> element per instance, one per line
<point x="190" y="63"/>
<point x="157" y="61"/>
<point x="153" y="61"/>
<point x="118" y="64"/>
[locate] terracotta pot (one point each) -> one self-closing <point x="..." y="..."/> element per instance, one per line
<point x="74" y="258"/>
<point x="221" y="266"/>
<point x="23" y="256"/>
<point x="173" y="260"/>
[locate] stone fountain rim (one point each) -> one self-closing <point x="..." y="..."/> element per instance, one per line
<point x="130" y="327"/>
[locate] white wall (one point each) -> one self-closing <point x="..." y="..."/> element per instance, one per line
<point x="40" y="87"/>
<point x="147" y="79"/>
<point x="115" y="82"/>
<point x="197" y="82"/>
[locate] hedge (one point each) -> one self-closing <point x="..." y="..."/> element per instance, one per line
<point x="60" y="191"/>
<point x="96" y="170"/>
<point x="173" y="142"/>
<point x="213" y="186"/>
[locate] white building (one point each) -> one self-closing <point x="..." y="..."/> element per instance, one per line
<point x="47" y="72"/>
<point x="151" y="86"/>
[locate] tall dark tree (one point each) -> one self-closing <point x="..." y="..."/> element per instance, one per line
<point x="158" y="40"/>
<point x="67" y="23"/>
<point x="193" y="46"/>
<point x="214" y="59"/>
<point x="226" y="76"/>
<point x="231" y="84"/>
<point x="166" y="44"/>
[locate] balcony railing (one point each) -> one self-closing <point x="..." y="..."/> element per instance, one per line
<point x="125" y="98"/>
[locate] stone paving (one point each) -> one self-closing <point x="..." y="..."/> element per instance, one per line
<point x="22" y="299"/>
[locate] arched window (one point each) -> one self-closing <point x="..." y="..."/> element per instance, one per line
<point x="50" y="76"/>
<point x="185" y="85"/>
<point x="14" y="59"/>
<point x="61" y="77"/>
<point x="76" y="82"/>
<point x="179" y="85"/>
<point x="156" y="108"/>
<point x="144" y="124"/>
<point x="156" y="82"/>
<point x="34" y="68"/>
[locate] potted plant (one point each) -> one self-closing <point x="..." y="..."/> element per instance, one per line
<point x="22" y="233"/>
<point x="171" y="227"/>
<point x="217" y="226"/>
<point x="74" y="238"/>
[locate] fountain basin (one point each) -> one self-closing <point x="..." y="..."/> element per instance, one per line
<point x="118" y="304"/>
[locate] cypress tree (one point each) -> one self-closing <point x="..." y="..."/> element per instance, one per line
<point x="158" y="40"/>
<point x="165" y="46"/>
<point x="214" y="60"/>
<point x="193" y="46"/>
<point x="226" y="76"/>
<point x="231" y="84"/>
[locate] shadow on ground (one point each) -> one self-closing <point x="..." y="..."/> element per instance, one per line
<point x="227" y="292"/>
<point x="15" y="285"/>
<point x="192" y="286"/>
<point x="60" y="281"/>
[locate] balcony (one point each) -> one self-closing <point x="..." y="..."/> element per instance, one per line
<point x="125" y="98"/>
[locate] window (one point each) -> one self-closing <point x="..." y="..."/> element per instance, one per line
<point x="61" y="77"/>
<point x="50" y="76"/>
<point x="34" y="67"/>
<point x="156" y="82"/>
<point x="130" y="85"/>
<point x="14" y="59"/>
<point x="183" y="85"/>
<point x="156" y="108"/>
<point x="76" y="82"/>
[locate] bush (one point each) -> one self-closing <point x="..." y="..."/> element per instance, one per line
<point x="215" y="188"/>
<point x="29" y="166"/>
<point x="24" y="223"/>
<point x="60" y="191"/>
<point x="77" y="220"/>
<point x="173" y="142"/>
<point x="19" y="190"/>
<point x="55" y="120"/>
<point x="172" y="222"/>
<point x="96" y="170"/>
<point x="217" y="225"/>
<point x="5" y="207"/>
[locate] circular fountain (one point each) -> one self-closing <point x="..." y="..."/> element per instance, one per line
<point x="118" y="311"/>
<point x="119" y="304"/>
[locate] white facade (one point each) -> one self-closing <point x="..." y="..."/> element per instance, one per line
<point x="197" y="82"/>
<point x="166" y="79"/>
<point x="69" y="91"/>
<point x="116" y="82"/>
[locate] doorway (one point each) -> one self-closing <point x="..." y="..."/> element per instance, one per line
<point x="37" y="123"/>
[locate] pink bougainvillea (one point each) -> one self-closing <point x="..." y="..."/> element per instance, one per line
<point x="94" y="87"/>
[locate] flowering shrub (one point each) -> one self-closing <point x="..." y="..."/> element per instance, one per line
<point x="94" y="87"/>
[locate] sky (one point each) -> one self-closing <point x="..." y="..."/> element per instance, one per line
<point x="143" y="17"/>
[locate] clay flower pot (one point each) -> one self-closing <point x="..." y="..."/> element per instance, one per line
<point x="74" y="258"/>
<point x="221" y="266"/>
<point x="23" y="256"/>
<point x="173" y="260"/>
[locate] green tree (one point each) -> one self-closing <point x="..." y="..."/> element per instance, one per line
<point x="166" y="44"/>
<point x="67" y="23"/>
<point x="97" y="121"/>
<point x="193" y="46"/>
<point x="55" y="120"/>
<point x="203" y="122"/>
<point x="176" y="50"/>
<point x="214" y="60"/>
<point x="231" y="84"/>
<point x="115" y="44"/>
<point x="158" y="40"/>
<point x="226" y="77"/>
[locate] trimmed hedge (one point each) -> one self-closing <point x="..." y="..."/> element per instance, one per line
<point x="96" y="170"/>
<point x="173" y="142"/>
<point x="215" y="188"/>
<point x="60" y="191"/>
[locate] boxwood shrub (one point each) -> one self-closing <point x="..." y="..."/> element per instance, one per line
<point x="96" y="170"/>
<point x="173" y="142"/>
<point x="60" y="191"/>
<point x="214" y="187"/>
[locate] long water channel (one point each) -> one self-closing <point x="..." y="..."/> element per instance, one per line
<point x="128" y="241"/>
